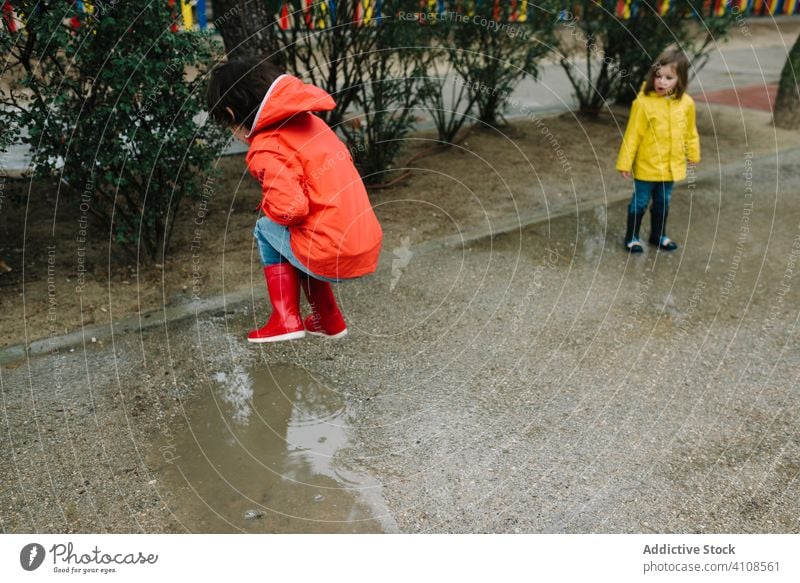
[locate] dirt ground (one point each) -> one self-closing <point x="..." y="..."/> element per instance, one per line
<point x="531" y="164"/>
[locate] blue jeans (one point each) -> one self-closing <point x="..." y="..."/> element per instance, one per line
<point x="274" y="247"/>
<point x="644" y="190"/>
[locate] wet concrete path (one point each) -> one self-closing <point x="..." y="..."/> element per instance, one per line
<point x="543" y="381"/>
<point x="558" y="384"/>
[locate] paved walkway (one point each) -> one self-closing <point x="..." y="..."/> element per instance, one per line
<point x="760" y="97"/>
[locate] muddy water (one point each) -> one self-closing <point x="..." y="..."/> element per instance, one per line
<point x="256" y="452"/>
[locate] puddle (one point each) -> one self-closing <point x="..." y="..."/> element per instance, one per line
<point x="257" y="454"/>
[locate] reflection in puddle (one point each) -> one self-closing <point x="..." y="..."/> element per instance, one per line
<point x="256" y="454"/>
<point x="237" y="392"/>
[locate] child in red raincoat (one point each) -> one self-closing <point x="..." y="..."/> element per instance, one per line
<point x="318" y="225"/>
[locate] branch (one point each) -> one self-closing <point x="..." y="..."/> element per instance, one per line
<point x="428" y="151"/>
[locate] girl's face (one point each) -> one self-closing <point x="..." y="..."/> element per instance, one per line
<point x="666" y="80"/>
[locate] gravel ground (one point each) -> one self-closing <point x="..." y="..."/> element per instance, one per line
<point x="548" y="382"/>
<point x="541" y="381"/>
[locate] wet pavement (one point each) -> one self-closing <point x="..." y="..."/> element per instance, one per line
<point x="538" y="381"/>
<point x="565" y="386"/>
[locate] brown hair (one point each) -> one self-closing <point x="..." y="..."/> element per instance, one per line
<point x="241" y="86"/>
<point x="672" y="55"/>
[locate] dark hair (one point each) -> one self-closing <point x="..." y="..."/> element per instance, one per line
<point x="241" y="85"/>
<point x="672" y="55"/>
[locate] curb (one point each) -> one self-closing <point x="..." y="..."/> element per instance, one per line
<point x="134" y="323"/>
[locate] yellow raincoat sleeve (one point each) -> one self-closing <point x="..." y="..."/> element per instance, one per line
<point x="637" y="124"/>
<point x="692" y="137"/>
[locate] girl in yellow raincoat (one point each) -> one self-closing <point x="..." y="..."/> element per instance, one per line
<point x="661" y="136"/>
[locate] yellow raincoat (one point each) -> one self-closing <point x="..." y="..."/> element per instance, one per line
<point x="660" y="137"/>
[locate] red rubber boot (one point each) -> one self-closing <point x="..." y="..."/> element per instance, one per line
<point x="326" y="319"/>
<point x="283" y="286"/>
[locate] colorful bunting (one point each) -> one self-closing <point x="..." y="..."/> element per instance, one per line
<point x="319" y="14"/>
<point x="186" y="14"/>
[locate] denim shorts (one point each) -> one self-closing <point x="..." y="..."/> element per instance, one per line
<point x="274" y="246"/>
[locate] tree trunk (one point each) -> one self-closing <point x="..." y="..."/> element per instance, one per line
<point x="247" y="28"/>
<point x="787" y="104"/>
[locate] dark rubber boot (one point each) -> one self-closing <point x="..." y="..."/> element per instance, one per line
<point x="632" y="232"/>
<point x="658" y="229"/>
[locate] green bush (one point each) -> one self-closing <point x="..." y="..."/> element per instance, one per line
<point x="370" y="67"/>
<point x="607" y="58"/>
<point x="388" y="93"/>
<point x="684" y="24"/>
<point x="385" y="67"/>
<point x="111" y="101"/>
<point x="445" y="96"/>
<point x="492" y="54"/>
<point x="328" y="49"/>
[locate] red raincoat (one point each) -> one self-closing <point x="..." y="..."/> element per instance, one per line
<point x="310" y="183"/>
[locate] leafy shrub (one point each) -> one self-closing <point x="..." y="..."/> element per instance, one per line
<point x="387" y="95"/>
<point x="366" y="61"/>
<point x="111" y="101"/>
<point x="493" y="53"/>
<point x="607" y="58"/>
<point x="329" y="49"/>
<point x="381" y="66"/>
<point x="443" y="93"/>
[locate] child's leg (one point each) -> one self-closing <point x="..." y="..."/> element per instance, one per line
<point x="659" y="211"/>
<point x="326" y="319"/>
<point x="636" y="210"/>
<point x="273" y="241"/>
<point x="274" y="246"/>
<point x="284" y="275"/>
<point x="283" y="285"/>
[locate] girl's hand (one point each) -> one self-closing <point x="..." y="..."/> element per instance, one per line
<point x="626" y="175"/>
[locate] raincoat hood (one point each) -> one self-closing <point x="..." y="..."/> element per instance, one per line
<point x="287" y="97"/>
